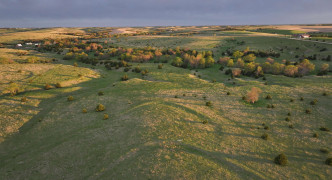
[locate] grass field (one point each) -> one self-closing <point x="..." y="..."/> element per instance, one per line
<point x="155" y="128"/>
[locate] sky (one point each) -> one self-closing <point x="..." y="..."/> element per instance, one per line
<point x="116" y="13"/>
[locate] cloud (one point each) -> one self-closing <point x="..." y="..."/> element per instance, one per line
<point x="41" y="13"/>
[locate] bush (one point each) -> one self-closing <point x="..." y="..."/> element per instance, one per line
<point x="124" y="77"/>
<point x="100" y="108"/>
<point x="84" y="110"/>
<point x="184" y="95"/>
<point x="24" y="99"/>
<point x="291" y="100"/>
<point x="281" y="159"/>
<point x="58" y="85"/>
<point x="287" y="119"/>
<point x="47" y="87"/>
<point x="266" y="127"/>
<point x="205" y="121"/>
<point x="228" y="93"/>
<point x="209" y="103"/>
<point x="213" y="81"/>
<point x="175" y="96"/>
<point x="291" y="126"/>
<point x="324" y="129"/>
<point x="126" y="69"/>
<point x="105" y="116"/>
<point x="301" y="98"/>
<point x="315" y="135"/>
<point x="265" y="136"/>
<point x="289" y="114"/>
<point x="70" y="98"/>
<point x="160" y="66"/>
<point x="308" y="111"/>
<point x="253" y="95"/>
<point x="314" y="102"/>
<point x="100" y="93"/>
<point x="328" y="161"/>
<point x="324" y="94"/>
<point x="324" y="150"/>
<point x="272" y="106"/>
<point x="243" y="98"/>
<point x="228" y="71"/>
<point x="268" y="96"/>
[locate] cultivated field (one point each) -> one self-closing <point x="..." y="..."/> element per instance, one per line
<point x="163" y="121"/>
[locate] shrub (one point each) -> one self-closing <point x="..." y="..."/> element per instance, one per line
<point x="160" y="66"/>
<point x="243" y="98"/>
<point x="175" y="96"/>
<point x="124" y="77"/>
<point x="291" y="126"/>
<point x="205" y="121"/>
<point x="324" y="94"/>
<point x="281" y="159"/>
<point x="324" y="129"/>
<point x="75" y="64"/>
<point x="268" y="106"/>
<point x="291" y="100"/>
<point x="264" y="78"/>
<point x="199" y="76"/>
<point x="80" y="75"/>
<point x="228" y="71"/>
<point x="228" y="93"/>
<point x="324" y="150"/>
<point x="301" y="98"/>
<point x="137" y="70"/>
<point x="289" y="114"/>
<point x="70" y="98"/>
<point x="19" y="71"/>
<point x="266" y="127"/>
<point x="315" y="135"/>
<point x="265" y="136"/>
<point x="268" y="96"/>
<point x="272" y="106"/>
<point x="287" y="119"/>
<point x="314" y="102"/>
<point x="84" y="110"/>
<point x="100" y="93"/>
<point x="100" y="108"/>
<point x="328" y="161"/>
<point x="209" y="103"/>
<point x="213" y="81"/>
<point x="105" y="116"/>
<point x="221" y="68"/>
<point x="24" y="99"/>
<point x="253" y="95"/>
<point x="47" y="87"/>
<point x="58" y="85"/>
<point x="126" y="69"/>
<point x="184" y="95"/>
<point x="308" y="111"/>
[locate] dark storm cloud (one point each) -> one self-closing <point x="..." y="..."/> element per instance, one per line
<point x="22" y="13"/>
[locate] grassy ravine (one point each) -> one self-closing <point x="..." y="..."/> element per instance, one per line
<point x="153" y="135"/>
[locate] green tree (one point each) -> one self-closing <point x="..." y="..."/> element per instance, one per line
<point x="177" y="62"/>
<point x="249" y="58"/>
<point x="237" y="54"/>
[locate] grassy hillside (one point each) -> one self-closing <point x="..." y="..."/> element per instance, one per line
<point x="159" y="125"/>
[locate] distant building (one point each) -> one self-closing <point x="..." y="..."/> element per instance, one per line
<point x="18" y="45"/>
<point x="302" y="36"/>
<point x="28" y="44"/>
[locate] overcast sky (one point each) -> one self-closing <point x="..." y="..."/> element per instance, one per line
<point x="87" y="13"/>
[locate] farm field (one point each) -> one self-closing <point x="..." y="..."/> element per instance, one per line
<point x="121" y="103"/>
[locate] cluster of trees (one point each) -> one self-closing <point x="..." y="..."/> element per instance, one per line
<point x="247" y="66"/>
<point x="193" y="59"/>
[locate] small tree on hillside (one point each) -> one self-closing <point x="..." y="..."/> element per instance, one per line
<point x="253" y="95"/>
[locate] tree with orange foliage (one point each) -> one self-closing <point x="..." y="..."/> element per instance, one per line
<point x="253" y="95"/>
